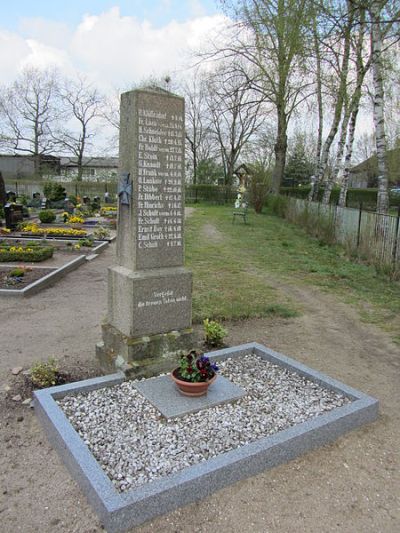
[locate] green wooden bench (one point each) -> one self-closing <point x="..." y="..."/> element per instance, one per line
<point x="240" y="212"/>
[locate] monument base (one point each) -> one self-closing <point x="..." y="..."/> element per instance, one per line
<point x="144" y="356"/>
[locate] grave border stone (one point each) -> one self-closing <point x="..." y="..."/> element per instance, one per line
<point x="120" y="512"/>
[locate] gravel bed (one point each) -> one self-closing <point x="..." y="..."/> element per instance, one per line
<point x="134" y="444"/>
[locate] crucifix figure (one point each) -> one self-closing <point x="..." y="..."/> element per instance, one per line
<point x="125" y="188"/>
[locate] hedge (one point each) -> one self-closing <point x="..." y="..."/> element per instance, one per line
<point x="354" y="196"/>
<point x="219" y="194"/>
<point x="32" y="254"/>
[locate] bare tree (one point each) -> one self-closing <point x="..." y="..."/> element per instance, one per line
<point x="199" y="142"/>
<point x="83" y="104"/>
<point x="235" y="114"/>
<point x="29" y="111"/>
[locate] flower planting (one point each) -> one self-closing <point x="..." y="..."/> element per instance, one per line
<point x="47" y="216"/>
<point x="74" y="219"/>
<point x="100" y="232"/>
<point x="34" y="229"/>
<point x="196" y="368"/>
<point x="16" y="276"/>
<point x="108" y="211"/>
<point x="19" y="252"/>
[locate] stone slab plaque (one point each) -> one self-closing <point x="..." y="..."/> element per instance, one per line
<point x="151" y="302"/>
<point x="164" y="395"/>
<point x="152" y="145"/>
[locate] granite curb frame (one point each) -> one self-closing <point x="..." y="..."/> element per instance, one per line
<point x="120" y="512"/>
<point x="55" y="275"/>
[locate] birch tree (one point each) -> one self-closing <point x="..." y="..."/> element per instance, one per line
<point x="342" y="55"/>
<point x="362" y="68"/>
<point x="375" y="11"/>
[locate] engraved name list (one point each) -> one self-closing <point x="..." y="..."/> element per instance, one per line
<point x="160" y="180"/>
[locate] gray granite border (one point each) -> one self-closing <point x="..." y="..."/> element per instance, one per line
<point x="57" y="273"/>
<point x="46" y="281"/>
<point x="120" y="512"/>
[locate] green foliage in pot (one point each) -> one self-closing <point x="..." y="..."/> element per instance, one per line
<point x="47" y="216"/>
<point x="214" y="332"/>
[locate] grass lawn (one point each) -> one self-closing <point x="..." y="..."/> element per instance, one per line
<point x="236" y="268"/>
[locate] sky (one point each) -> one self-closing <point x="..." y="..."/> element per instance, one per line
<point x="114" y="43"/>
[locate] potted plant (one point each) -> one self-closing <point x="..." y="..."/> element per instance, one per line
<point x="194" y="374"/>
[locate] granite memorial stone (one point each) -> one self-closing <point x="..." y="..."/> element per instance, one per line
<point x="149" y="289"/>
<point x="13" y="214"/>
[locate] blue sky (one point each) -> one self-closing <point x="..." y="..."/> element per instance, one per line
<point x="70" y="12"/>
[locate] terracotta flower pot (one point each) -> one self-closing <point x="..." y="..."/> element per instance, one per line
<point x="188" y="388"/>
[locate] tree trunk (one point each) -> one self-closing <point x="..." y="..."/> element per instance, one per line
<point x="280" y="150"/>
<point x="319" y="94"/>
<point x="339" y="157"/>
<point x="382" y="205"/>
<point x="349" y="153"/>
<point x="2" y="191"/>
<point x="354" y="107"/>
<point x="339" y="103"/>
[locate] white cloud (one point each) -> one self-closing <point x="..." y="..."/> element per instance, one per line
<point x="46" y="32"/>
<point x="110" y="49"/>
<point x="122" y="50"/>
<point x="42" y="56"/>
<point x="13" y="50"/>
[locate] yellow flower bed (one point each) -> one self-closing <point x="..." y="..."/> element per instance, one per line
<point x="36" y="230"/>
<point x="108" y="210"/>
<point x="75" y="220"/>
<point x="15" y="249"/>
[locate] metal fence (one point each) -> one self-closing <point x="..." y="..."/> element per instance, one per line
<point x="374" y="236"/>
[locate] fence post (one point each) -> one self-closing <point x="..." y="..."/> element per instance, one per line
<point x="16" y="188"/>
<point x="396" y="235"/>
<point x="359" y="225"/>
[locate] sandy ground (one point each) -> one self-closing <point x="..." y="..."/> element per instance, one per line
<point x="352" y="485"/>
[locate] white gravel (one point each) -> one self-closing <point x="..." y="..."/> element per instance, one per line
<point x="134" y="444"/>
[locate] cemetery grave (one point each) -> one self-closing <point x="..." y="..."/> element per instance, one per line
<point x="132" y="455"/>
<point x="40" y="262"/>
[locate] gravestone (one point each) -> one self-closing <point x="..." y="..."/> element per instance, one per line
<point x="149" y="290"/>
<point x="11" y="196"/>
<point x="13" y="213"/>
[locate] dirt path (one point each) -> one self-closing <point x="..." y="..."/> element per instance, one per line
<point x="352" y="485"/>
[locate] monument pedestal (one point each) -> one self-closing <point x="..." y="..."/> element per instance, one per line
<point x="144" y="356"/>
<point x="148" y="302"/>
